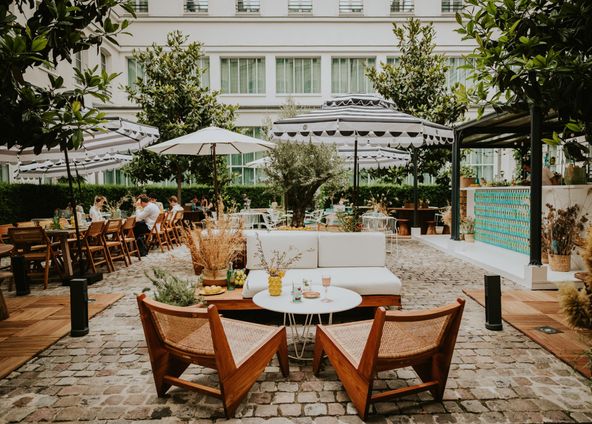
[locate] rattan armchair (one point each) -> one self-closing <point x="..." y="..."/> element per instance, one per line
<point x="240" y="351"/>
<point x="423" y="340"/>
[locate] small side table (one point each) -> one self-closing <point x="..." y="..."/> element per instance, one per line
<point x="342" y="300"/>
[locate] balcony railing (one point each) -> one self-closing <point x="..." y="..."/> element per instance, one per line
<point x="199" y="6"/>
<point x="300" y="6"/>
<point x="449" y="6"/>
<point x="351" y="6"/>
<point x="248" y="6"/>
<point x="401" y="6"/>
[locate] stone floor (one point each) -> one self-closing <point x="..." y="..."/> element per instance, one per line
<point x="496" y="377"/>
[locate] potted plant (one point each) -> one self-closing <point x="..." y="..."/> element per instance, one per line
<point x="172" y="290"/>
<point x="564" y="229"/>
<point x="467" y="227"/>
<point x="467" y="176"/>
<point x="575" y="153"/>
<point x="213" y="248"/>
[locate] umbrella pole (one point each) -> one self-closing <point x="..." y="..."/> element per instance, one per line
<point x="415" y="187"/>
<point x="78" y="269"/>
<point x="216" y="195"/>
<point x="355" y="195"/>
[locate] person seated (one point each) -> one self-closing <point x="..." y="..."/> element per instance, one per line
<point x="146" y="215"/>
<point x="246" y="202"/>
<point x="95" y="211"/>
<point x="174" y="205"/>
<point x="154" y="200"/>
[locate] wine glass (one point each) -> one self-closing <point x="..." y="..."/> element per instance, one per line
<point x="326" y="280"/>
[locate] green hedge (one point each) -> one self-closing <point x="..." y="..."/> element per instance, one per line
<point x="21" y="202"/>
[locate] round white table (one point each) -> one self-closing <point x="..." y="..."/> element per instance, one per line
<point x="341" y="300"/>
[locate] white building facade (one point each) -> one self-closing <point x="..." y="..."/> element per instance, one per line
<point x="260" y="53"/>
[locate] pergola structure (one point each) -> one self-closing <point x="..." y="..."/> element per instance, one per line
<point x="506" y="129"/>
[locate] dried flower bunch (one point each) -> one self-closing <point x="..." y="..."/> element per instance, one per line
<point x="117" y="205"/>
<point x="447" y="216"/>
<point x="278" y="262"/>
<point x="563" y="228"/>
<point x="214" y="246"/>
<point x="467" y="226"/>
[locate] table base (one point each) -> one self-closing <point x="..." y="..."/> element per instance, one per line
<point x="300" y="337"/>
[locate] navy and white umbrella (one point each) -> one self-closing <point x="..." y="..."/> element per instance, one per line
<point x="56" y="169"/>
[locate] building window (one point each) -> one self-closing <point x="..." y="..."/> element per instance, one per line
<point x="298" y="75"/>
<point x="348" y="75"/>
<point x="449" y="6"/>
<point x="78" y="60"/>
<point x="204" y="64"/>
<point x="482" y="162"/>
<point x="241" y="174"/>
<point x="351" y="6"/>
<point x="243" y="75"/>
<point x="457" y="74"/>
<point x="4" y="173"/>
<point x="300" y="6"/>
<point x="393" y="60"/>
<point x="200" y="6"/>
<point x="103" y="62"/>
<point x="117" y="177"/>
<point x="398" y="6"/>
<point x="140" y="6"/>
<point x="135" y="71"/>
<point x="248" y="6"/>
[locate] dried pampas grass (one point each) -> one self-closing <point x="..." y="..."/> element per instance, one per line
<point x="214" y="246"/>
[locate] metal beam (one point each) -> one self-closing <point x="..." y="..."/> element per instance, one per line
<point x="455" y="230"/>
<point x="536" y="183"/>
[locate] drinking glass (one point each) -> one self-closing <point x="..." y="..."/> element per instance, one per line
<point x="326" y="280"/>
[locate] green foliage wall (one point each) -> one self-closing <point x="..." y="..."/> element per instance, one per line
<point x="395" y="195"/>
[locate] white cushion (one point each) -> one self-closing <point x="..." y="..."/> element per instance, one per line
<point x="364" y="281"/>
<point x="366" y="249"/>
<point x="293" y="242"/>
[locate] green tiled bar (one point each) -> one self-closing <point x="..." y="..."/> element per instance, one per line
<point x="502" y="218"/>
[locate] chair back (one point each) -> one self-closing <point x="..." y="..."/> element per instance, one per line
<point x="193" y="332"/>
<point x="113" y="226"/>
<point x="4" y="231"/>
<point x="95" y="229"/>
<point x="177" y="217"/>
<point x="158" y="222"/>
<point x="25" y="237"/>
<point x="26" y="224"/>
<point x="129" y="224"/>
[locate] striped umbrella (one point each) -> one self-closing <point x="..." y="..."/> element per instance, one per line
<point x="51" y="169"/>
<point x="119" y="136"/>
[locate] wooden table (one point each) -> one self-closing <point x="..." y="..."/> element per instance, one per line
<point x="423" y="216"/>
<point x="5" y="250"/>
<point x="63" y="236"/>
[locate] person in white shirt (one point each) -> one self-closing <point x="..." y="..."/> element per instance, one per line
<point x="174" y="205"/>
<point x="145" y="220"/>
<point x="154" y="200"/>
<point x="95" y="210"/>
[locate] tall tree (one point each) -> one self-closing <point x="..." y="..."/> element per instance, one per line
<point x="533" y="53"/>
<point x="172" y="98"/>
<point x="37" y="34"/>
<point x="416" y="83"/>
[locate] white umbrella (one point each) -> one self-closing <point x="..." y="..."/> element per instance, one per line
<point x="212" y="141"/>
<point x="117" y="136"/>
<point x="58" y="169"/>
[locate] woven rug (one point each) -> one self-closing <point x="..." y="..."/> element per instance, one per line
<point x="35" y="323"/>
<point x="531" y="311"/>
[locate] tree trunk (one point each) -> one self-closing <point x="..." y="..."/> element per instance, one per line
<point x="298" y="213"/>
<point x="179" y="178"/>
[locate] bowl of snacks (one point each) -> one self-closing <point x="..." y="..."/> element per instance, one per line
<point x="212" y="290"/>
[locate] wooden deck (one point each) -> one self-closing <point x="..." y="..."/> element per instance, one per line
<point x="35" y="323"/>
<point x="233" y="300"/>
<point x="528" y="310"/>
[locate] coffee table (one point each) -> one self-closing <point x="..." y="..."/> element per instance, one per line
<point x="342" y="300"/>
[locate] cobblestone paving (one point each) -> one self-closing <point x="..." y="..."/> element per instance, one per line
<point x="496" y="377"/>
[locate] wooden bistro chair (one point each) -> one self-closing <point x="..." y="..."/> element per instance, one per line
<point x="94" y="245"/>
<point x="158" y="235"/>
<point x="238" y="350"/>
<point x="423" y="340"/>
<point x="169" y="229"/>
<point x="129" y="240"/>
<point x="114" y="244"/>
<point x="32" y="243"/>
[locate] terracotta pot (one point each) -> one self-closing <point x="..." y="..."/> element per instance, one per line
<point x="561" y="263"/>
<point x="466" y="181"/>
<point x="469" y="238"/>
<point x="545" y="257"/>
<point x="574" y="175"/>
<point x="215" y="277"/>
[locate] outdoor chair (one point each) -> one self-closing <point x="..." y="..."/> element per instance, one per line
<point x="129" y="240"/>
<point x="170" y="229"/>
<point x="32" y="243"/>
<point x="114" y="243"/>
<point x="4" y="232"/>
<point x="158" y="235"/>
<point x="26" y="224"/>
<point x="94" y="244"/>
<point x="178" y="337"/>
<point x="423" y="340"/>
<point x="268" y="223"/>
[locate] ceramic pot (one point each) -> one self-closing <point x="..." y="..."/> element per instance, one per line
<point x="215" y="277"/>
<point x="274" y="285"/>
<point x="574" y="175"/>
<point x="466" y="181"/>
<point x="470" y="238"/>
<point x="545" y="257"/>
<point x="560" y="263"/>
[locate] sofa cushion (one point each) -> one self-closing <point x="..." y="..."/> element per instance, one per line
<point x="352" y="249"/>
<point x="364" y="281"/>
<point x="293" y="242"/>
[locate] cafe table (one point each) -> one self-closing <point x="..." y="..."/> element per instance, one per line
<point x="423" y="216"/>
<point x="341" y="300"/>
<point x="62" y="236"/>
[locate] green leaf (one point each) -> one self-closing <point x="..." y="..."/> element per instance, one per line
<point x="39" y="43"/>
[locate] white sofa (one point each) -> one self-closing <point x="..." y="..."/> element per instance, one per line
<point x="355" y="261"/>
